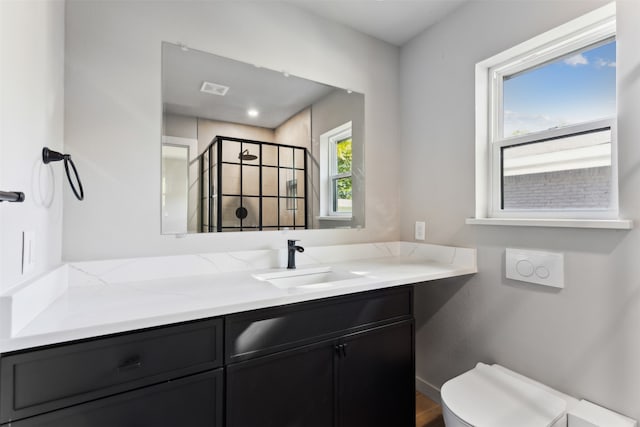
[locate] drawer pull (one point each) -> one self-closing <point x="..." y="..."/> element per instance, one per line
<point x="129" y="364"/>
<point x="341" y="350"/>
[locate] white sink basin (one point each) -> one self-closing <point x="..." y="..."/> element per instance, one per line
<point x="306" y="278"/>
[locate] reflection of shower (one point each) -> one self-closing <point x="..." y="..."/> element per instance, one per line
<point x="242" y="191"/>
<point x="246" y="156"/>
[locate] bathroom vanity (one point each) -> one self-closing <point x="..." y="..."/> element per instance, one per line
<point x="342" y="361"/>
<point x="327" y="354"/>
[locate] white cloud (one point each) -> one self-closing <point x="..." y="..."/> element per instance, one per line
<point x="600" y="63"/>
<point x="576" y="60"/>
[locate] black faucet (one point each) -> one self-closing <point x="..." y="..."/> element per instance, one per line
<point x="291" y="250"/>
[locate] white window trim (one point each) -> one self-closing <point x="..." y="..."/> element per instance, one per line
<point x="327" y="172"/>
<point x="588" y="29"/>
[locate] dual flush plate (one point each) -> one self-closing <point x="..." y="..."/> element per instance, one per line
<point x="543" y="268"/>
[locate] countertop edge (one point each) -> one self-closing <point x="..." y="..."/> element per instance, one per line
<point x="21" y="343"/>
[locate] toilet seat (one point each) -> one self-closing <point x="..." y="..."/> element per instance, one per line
<point x="490" y="397"/>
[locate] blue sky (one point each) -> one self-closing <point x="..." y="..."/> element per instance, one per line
<point x="571" y="90"/>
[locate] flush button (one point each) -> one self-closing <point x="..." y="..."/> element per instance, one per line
<point x="543" y="268"/>
<point x="524" y="267"/>
<point x="542" y="272"/>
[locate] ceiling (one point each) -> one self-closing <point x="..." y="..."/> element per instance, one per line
<point x="277" y="97"/>
<point x="394" y="21"/>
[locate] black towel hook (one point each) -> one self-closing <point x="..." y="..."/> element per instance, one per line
<point x="49" y="156"/>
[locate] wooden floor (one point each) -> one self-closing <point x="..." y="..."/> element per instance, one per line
<point x="428" y="412"/>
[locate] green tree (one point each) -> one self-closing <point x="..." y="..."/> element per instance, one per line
<point x="344" y="159"/>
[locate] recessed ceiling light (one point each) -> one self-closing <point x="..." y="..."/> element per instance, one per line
<point x="253" y="112"/>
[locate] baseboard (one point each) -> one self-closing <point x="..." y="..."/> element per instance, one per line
<point x="428" y="389"/>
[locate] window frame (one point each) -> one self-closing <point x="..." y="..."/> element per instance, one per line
<point x="584" y="33"/>
<point x="334" y="175"/>
<point x="329" y="170"/>
<point x="544" y="136"/>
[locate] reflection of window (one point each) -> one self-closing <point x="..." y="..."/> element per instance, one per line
<point x="335" y="163"/>
<point x="551" y="134"/>
<point x="340" y="173"/>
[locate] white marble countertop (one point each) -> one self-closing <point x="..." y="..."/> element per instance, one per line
<point x="105" y="297"/>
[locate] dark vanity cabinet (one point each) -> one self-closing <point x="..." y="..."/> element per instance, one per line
<point x="167" y="376"/>
<point x="376" y="378"/>
<point x="343" y="361"/>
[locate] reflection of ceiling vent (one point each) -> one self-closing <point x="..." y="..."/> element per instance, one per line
<point x="214" y="88"/>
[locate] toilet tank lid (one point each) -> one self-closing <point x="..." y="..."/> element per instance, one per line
<point x="485" y="396"/>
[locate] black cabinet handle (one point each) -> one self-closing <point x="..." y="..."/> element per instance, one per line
<point x="341" y="350"/>
<point x="132" y="363"/>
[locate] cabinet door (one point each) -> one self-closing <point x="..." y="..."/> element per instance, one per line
<point x="194" y="401"/>
<point x="287" y="389"/>
<point x="376" y="384"/>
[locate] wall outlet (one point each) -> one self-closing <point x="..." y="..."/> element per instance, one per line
<point x="28" y="252"/>
<point x="420" y="230"/>
<point x="543" y="268"/>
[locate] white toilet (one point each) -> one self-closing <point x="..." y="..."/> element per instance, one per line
<point x="493" y="396"/>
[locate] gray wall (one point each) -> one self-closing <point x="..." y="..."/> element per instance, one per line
<point x="584" y="339"/>
<point x="113" y="113"/>
<point x="31" y="116"/>
<point x="209" y="129"/>
<point x="179" y="126"/>
<point x="336" y="109"/>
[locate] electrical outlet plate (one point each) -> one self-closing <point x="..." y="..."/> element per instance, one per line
<point x="28" y="252"/>
<point x="542" y="268"/>
<point x="420" y="230"/>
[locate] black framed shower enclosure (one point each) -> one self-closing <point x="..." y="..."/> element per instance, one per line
<point x="248" y="185"/>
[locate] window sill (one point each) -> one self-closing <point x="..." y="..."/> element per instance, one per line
<point x="616" y="224"/>
<point x="335" y="218"/>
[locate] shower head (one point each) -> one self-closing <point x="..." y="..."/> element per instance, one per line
<point x="246" y="156"/>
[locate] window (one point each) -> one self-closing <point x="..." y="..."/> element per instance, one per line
<point x="546" y="124"/>
<point x="335" y="163"/>
<point x="340" y="173"/>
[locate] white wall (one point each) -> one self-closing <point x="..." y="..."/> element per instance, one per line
<point x="113" y="113"/>
<point x="584" y="339"/>
<point x="175" y="214"/>
<point x="31" y="117"/>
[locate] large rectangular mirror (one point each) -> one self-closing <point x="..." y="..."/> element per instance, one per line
<point x="246" y="148"/>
